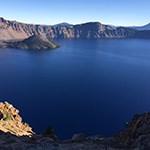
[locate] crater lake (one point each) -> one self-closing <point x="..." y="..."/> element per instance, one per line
<point x="89" y="86"/>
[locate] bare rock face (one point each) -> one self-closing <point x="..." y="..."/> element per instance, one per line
<point x="13" y="30"/>
<point x="11" y="122"/>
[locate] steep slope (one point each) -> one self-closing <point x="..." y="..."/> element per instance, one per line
<point x="12" y="30"/>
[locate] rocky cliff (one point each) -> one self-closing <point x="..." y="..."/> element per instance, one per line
<point x="11" y="122"/>
<point x="136" y="132"/>
<point x="16" y="135"/>
<point x="12" y="30"/>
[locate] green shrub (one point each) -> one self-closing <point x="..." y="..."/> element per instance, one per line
<point x="8" y="117"/>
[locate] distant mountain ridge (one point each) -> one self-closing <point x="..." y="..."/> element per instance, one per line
<point x="140" y="28"/>
<point x="63" y="24"/>
<point x="13" y="30"/>
<point x="145" y="27"/>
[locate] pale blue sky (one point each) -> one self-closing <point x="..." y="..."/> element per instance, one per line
<point x="116" y="12"/>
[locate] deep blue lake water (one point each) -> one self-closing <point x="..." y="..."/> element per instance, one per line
<point x="88" y="86"/>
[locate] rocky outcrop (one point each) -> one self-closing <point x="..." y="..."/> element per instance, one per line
<point x="10" y="142"/>
<point x="78" y="137"/>
<point x="12" y="30"/>
<point x="136" y="132"/>
<point x="15" y="134"/>
<point x="11" y="122"/>
<point x="139" y="125"/>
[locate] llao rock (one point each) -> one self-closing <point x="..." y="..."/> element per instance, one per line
<point x="13" y="30"/>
